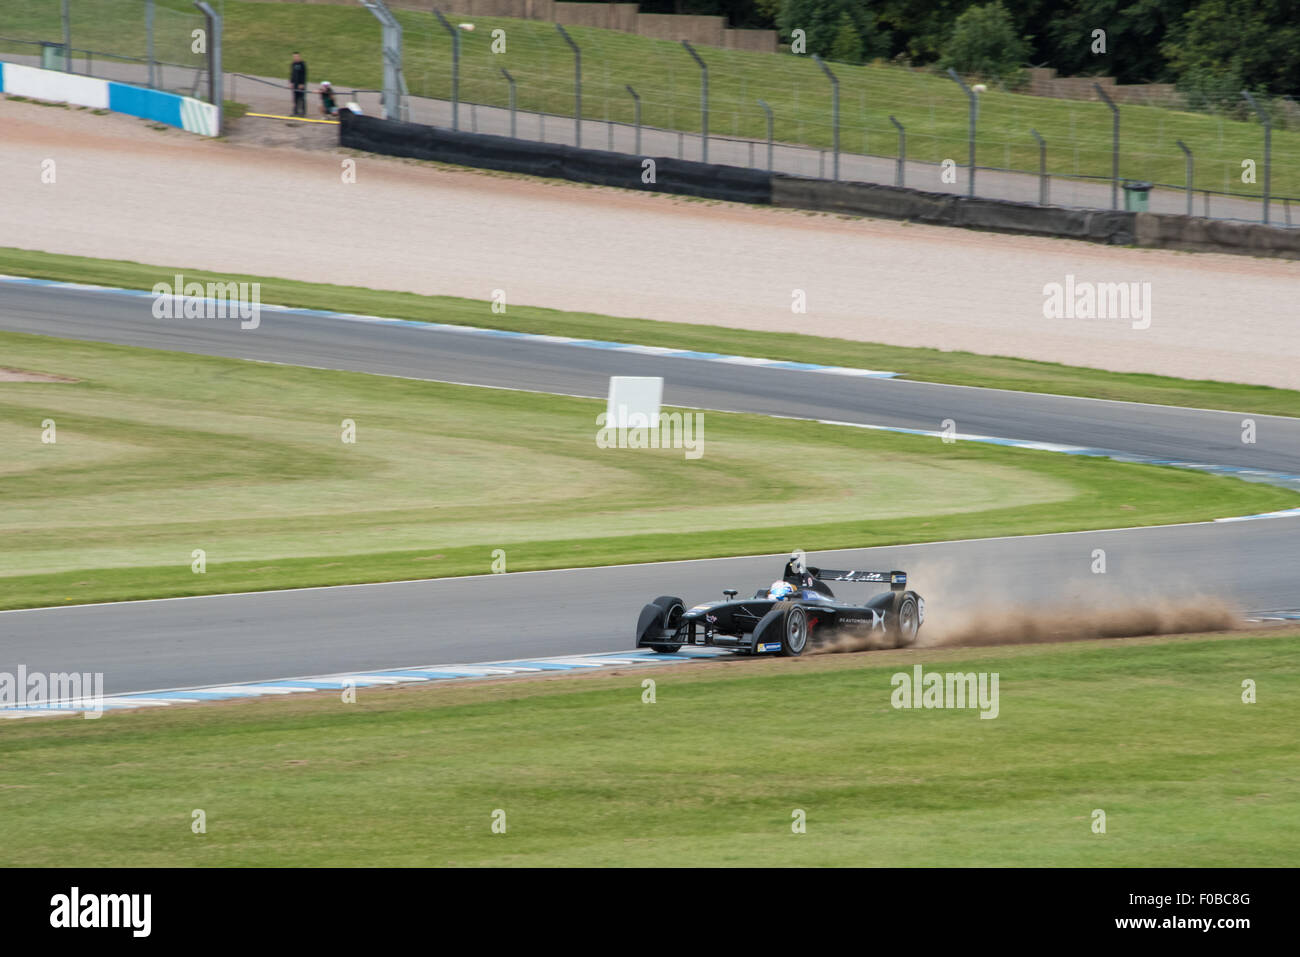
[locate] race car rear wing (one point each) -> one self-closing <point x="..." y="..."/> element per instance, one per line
<point x="897" y="580"/>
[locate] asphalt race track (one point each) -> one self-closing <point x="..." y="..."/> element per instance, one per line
<point x="300" y="339"/>
<point x="220" y="639"/>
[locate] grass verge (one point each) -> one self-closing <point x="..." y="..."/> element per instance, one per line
<point x="1153" y="732"/>
<point x="920" y="364"/>
<point x="158" y="455"/>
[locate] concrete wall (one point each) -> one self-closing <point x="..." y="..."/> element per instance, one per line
<point x="625" y="17"/>
<point x="608" y="16"/>
<point x="1151" y="230"/>
<point x="696" y="29"/>
<point x="184" y="112"/>
<point x="519" y="9"/>
<point x="1193" y="233"/>
<point x="755" y="41"/>
<point x="54" y="86"/>
<point x="1043" y="81"/>
<point x="947" y="209"/>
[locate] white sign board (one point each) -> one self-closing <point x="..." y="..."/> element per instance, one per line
<point x="634" y="402"/>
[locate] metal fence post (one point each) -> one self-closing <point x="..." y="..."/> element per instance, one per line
<point x="1114" y="146"/>
<point x="768" y="110"/>
<point x="1188" y="154"/>
<point x="1042" y="167"/>
<point x="511" y="80"/>
<point x="636" y="114"/>
<point x="214" y="61"/>
<point x="1268" y="145"/>
<point x="148" y="38"/>
<point x="704" y="101"/>
<point x="67" y="38"/>
<point x="455" y="68"/>
<point x="392" y="56"/>
<point x="974" y="117"/>
<point x="835" y="116"/>
<point x="577" y="85"/>
<point x="902" y="150"/>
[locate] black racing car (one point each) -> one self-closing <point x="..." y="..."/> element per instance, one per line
<point x="796" y="611"/>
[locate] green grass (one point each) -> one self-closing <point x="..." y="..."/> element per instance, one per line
<point x="1151" y="731"/>
<point x="162" y="453"/>
<point x="927" y="365"/>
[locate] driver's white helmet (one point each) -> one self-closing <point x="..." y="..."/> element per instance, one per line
<point x="781" y="590"/>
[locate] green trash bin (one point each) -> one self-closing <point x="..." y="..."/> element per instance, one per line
<point x="52" y="56"/>
<point x="1136" y="196"/>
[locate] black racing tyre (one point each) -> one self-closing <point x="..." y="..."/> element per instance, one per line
<point x="794" y="631"/>
<point x="673" y="609"/>
<point x="907" y="621"/>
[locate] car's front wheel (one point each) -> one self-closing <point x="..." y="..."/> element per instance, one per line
<point x="671" y="611"/>
<point x="794" y="631"/>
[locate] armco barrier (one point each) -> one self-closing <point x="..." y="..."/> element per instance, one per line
<point x="1216" y="235"/>
<point x="185" y="112"/>
<point x="552" y="160"/>
<point x="946" y="209"/>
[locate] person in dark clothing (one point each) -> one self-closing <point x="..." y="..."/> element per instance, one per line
<point x="298" y="80"/>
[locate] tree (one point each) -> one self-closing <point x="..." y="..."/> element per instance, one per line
<point x="847" y="45"/>
<point x="821" y="21"/>
<point x="1133" y="29"/>
<point x="1222" y="44"/>
<point x="767" y="11"/>
<point x="984" y="41"/>
<point x="919" y="27"/>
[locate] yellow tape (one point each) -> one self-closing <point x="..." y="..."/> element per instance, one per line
<point x="300" y="119"/>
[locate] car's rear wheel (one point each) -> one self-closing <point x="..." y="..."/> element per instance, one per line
<point x="794" y="631"/>
<point x="907" y="621"/>
<point x="670" y="618"/>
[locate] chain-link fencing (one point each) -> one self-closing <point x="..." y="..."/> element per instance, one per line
<point x="150" y="43"/>
<point x="1025" y="145"/>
